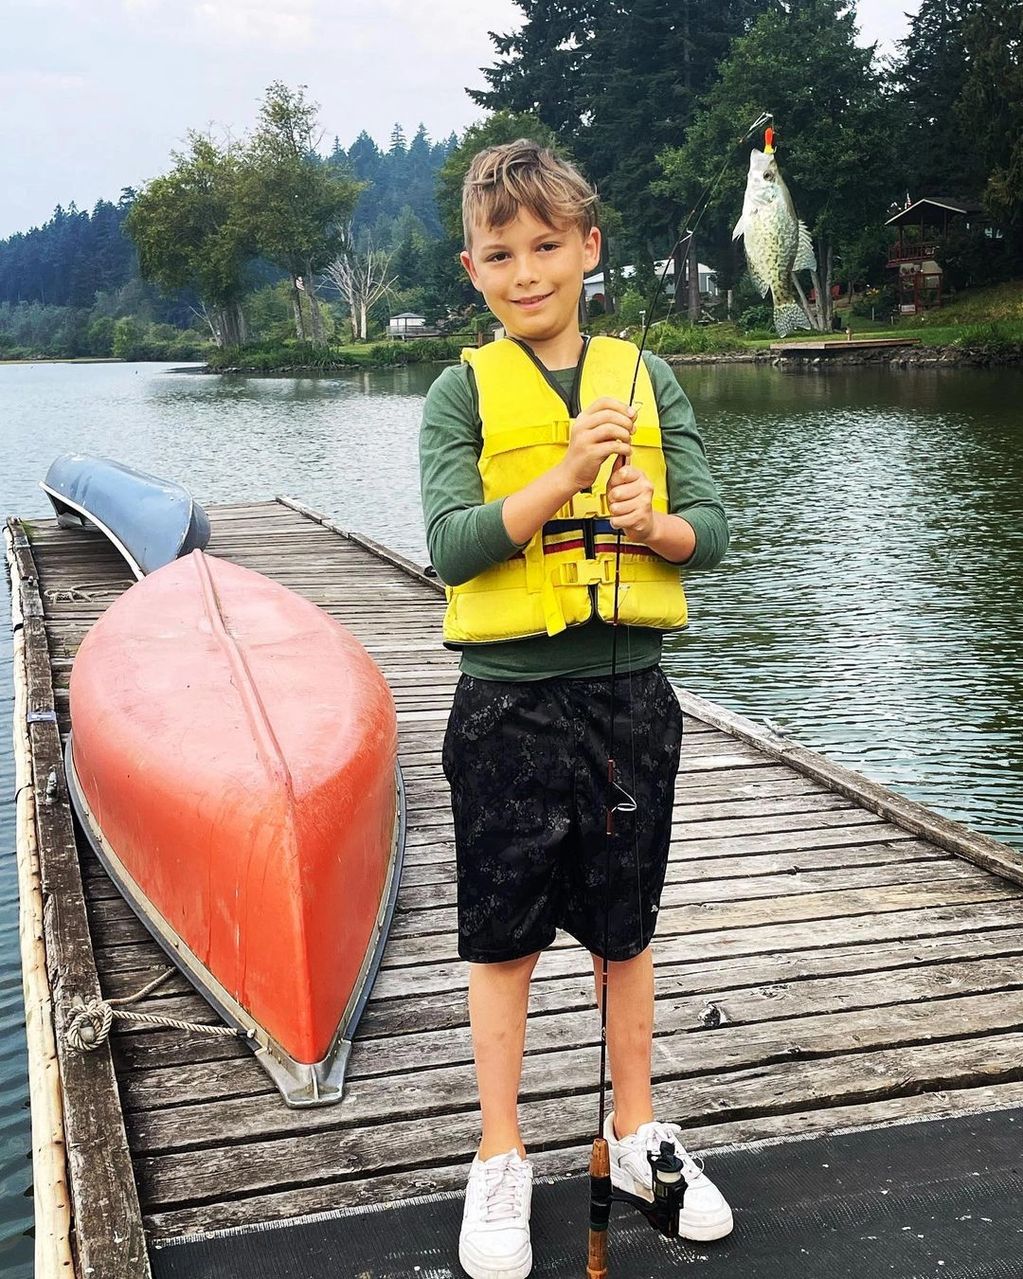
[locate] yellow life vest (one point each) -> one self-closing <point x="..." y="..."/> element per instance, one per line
<point x="567" y="570"/>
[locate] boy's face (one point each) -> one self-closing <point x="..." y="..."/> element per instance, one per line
<point x="531" y="275"/>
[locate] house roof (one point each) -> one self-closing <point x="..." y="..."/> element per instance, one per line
<point x="932" y="203"/>
<point x="408" y="315"/>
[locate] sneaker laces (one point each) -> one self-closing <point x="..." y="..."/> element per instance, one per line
<point x="655" y="1133"/>
<point x="503" y="1186"/>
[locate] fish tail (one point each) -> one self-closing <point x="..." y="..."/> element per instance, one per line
<point x="789" y="316"/>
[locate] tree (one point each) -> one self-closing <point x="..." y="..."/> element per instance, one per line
<point x="833" y="120"/>
<point x="361" y="278"/>
<point x="544" y="63"/>
<point x="296" y="206"/>
<point x="990" y="108"/>
<point x="929" y="75"/>
<point x="188" y="232"/>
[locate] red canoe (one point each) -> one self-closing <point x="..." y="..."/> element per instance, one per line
<point x="234" y="762"/>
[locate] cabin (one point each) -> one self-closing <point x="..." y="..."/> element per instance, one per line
<point x="409" y="325"/>
<point x="594" y="285"/>
<point x="923" y="227"/>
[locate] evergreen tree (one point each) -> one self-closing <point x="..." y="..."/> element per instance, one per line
<point x="989" y="111"/>
<point x="930" y="73"/>
<point x="545" y="63"/>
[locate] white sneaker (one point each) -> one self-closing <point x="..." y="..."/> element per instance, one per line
<point x="494" y="1242"/>
<point x="705" y="1214"/>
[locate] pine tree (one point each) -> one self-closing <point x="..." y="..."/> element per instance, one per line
<point x="930" y="72"/>
<point x="990" y="109"/>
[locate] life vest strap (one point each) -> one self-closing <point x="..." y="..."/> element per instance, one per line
<point x="523" y="437"/>
<point x="582" y="572"/>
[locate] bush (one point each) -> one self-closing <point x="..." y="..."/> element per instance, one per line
<point x="285" y="356"/>
<point x="995" y="338"/>
<point x="630" y="304"/>
<point x="877" y="301"/>
<point x="692" y="339"/>
<point x="757" y="319"/>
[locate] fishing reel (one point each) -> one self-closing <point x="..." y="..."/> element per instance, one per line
<point x="669" y="1187"/>
<point x="669" y="1191"/>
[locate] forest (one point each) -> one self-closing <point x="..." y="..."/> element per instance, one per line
<point x="278" y="237"/>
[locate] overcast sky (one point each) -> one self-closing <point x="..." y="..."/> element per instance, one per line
<point x="96" y="93"/>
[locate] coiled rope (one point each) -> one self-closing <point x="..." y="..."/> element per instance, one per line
<point x="88" y="1026"/>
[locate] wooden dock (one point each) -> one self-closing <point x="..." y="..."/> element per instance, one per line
<point x="829" y="955"/>
<point x="840" y="346"/>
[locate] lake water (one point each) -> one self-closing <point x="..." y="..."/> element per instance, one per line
<point x="870" y="605"/>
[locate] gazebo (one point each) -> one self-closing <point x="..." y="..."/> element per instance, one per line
<point x="923" y="228"/>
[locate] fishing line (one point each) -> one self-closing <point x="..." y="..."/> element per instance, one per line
<point x="618" y="800"/>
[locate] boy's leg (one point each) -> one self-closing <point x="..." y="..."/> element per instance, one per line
<point x="630" y="1028"/>
<point x="498" y="1001"/>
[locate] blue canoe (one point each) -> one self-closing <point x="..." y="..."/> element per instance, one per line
<point x="152" y="522"/>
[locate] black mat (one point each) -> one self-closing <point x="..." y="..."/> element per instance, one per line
<point x="942" y="1198"/>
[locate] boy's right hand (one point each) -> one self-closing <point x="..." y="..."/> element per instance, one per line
<point x="602" y="428"/>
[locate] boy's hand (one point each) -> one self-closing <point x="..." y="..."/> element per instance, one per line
<point x="630" y="499"/>
<point x="602" y="428"/>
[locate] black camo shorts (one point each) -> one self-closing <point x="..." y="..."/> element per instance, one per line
<point x="527" y="766"/>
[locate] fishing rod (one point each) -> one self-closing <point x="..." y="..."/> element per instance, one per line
<point x="668" y="1183"/>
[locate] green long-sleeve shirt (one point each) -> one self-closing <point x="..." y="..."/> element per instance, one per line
<point x="466" y="535"/>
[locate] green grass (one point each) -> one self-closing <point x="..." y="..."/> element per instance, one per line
<point x="998" y="303"/>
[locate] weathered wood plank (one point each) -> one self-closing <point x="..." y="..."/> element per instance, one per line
<point x="423" y="909"/>
<point x="691" y="920"/>
<point x="105" y="1208"/>
<point x="709" y="980"/>
<point x="778" y="1088"/>
<point x="677" y="1018"/>
<point x="699" y="1136"/>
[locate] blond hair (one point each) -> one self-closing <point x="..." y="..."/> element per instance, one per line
<point x="524" y="175"/>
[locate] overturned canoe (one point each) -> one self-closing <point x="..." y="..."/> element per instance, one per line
<point x="233" y="759"/>
<point x="150" y="521"/>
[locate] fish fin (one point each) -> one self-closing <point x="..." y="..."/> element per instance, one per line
<point x="759" y="283"/>
<point x="806" y="259"/>
<point x="740" y="226"/>
<point x="788" y="317"/>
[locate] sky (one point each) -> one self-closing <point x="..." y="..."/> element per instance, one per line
<point x="97" y="93"/>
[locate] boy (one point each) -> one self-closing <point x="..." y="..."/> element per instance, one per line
<point x="531" y="459"/>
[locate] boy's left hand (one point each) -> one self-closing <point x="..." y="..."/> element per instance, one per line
<point x="630" y="500"/>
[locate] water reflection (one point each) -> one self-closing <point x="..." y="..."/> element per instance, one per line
<point x="870" y="603"/>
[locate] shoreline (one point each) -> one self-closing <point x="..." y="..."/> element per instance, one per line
<point x="893" y="357"/>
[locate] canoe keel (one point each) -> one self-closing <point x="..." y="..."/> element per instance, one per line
<point x="233" y="762"/>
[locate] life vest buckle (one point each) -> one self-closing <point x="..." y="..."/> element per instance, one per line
<point x="588" y="506"/>
<point x="586" y="572"/>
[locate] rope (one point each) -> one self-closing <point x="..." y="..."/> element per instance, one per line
<point x="88" y="1026"/>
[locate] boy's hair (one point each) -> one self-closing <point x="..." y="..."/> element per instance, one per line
<point x="501" y="180"/>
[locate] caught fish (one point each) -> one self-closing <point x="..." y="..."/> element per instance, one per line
<point x="776" y="242"/>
